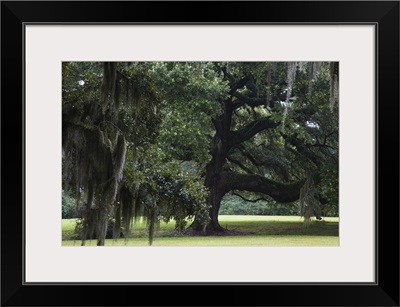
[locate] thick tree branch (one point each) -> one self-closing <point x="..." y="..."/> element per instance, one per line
<point x="250" y="130"/>
<point x="302" y="149"/>
<point x="272" y="162"/>
<point x="238" y="84"/>
<point x="249" y="156"/>
<point x="246" y="169"/>
<point x="234" y="85"/>
<point x="252" y="102"/>
<point x="250" y="200"/>
<point x="280" y="192"/>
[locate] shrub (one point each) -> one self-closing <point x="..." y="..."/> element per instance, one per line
<point x="68" y="207"/>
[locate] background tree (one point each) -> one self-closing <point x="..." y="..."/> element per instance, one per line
<point x="109" y="109"/>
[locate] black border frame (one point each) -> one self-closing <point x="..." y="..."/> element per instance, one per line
<point x="383" y="14"/>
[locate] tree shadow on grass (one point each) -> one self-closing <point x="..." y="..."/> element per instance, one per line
<point x="273" y="228"/>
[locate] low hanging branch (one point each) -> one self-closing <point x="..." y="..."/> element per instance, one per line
<point x="250" y="130"/>
<point x="280" y="192"/>
<point x="238" y="163"/>
<point x="252" y="102"/>
<point x="250" y="200"/>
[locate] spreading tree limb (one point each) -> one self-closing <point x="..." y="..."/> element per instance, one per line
<point x="280" y="192"/>
<point x="250" y="200"/>
<point x="247" y="132"/>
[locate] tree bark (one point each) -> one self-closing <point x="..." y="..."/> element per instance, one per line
<point x="102" y="226"/>
<point x="213" y="182"/>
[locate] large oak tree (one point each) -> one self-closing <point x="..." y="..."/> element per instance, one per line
<point x="272" y="129"/>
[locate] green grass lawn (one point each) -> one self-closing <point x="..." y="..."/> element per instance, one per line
<point x="265" y="231"/>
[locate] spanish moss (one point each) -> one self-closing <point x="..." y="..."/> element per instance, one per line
<point x="95" y="147"/>
<point x="309" y="204"/>
<point x="334" y="84"/>
<point x="291" y="76"/>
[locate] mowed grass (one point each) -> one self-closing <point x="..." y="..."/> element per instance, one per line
<point x="261" y="231"/>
